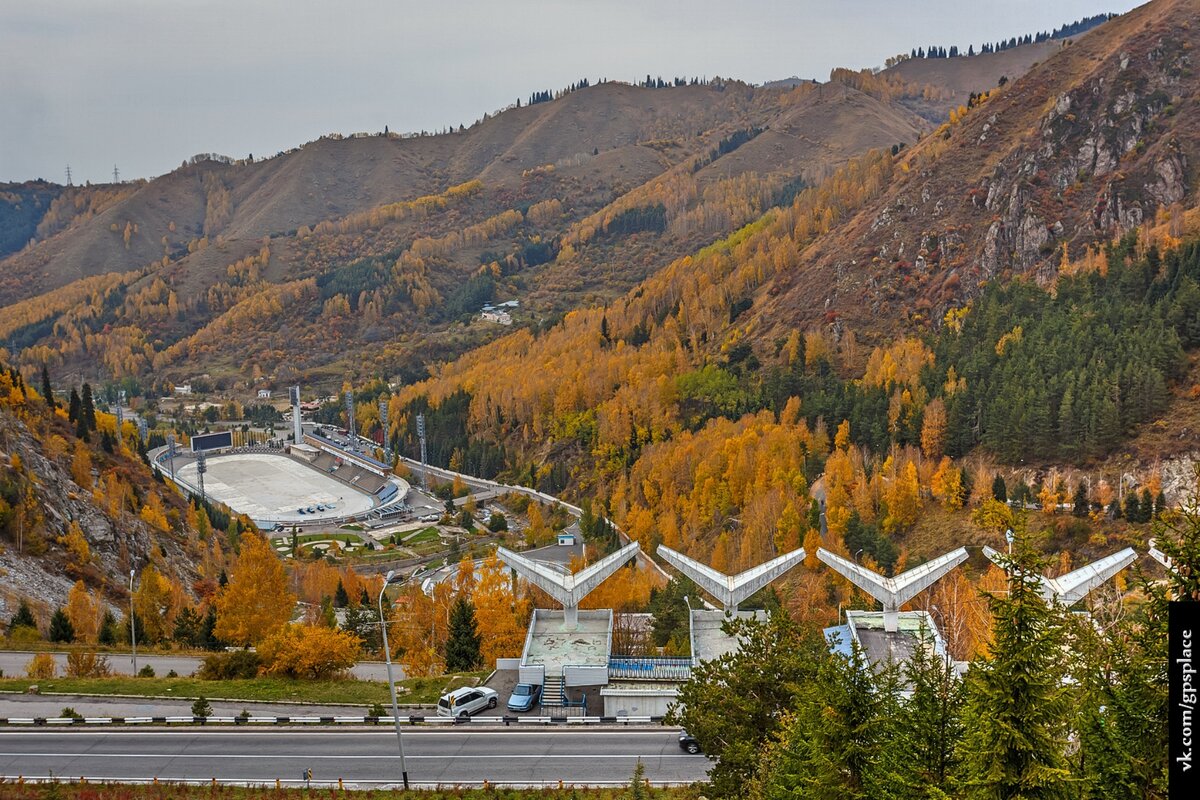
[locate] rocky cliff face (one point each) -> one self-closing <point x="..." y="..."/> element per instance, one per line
<point x="1087" y="146"/>
<point x="35" y="564"/>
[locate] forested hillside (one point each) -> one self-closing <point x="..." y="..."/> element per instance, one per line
<point x="388" y="245"/>
<point x="1043" y="344"/>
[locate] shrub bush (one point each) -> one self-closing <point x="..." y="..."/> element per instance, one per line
<point x="70" y="713"/>
<point x="23" y="635"/>
<point x="41" y="667"/>
<point x="87" y="665"/>
<point x="240" y="664"/>
<point x="201" y="708"/>
<point x="146" y="672"/>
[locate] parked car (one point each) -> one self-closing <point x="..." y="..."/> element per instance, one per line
<point x="524" y="697"/>
<point x="466" y="701"/>
<point x="688" y="743"/>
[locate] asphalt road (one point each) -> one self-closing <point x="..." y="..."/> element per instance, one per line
<point x="14" y="662"/>
<point x="361" y="757"/>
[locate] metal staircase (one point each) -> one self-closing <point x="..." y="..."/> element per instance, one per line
<point x="553" y="693"/>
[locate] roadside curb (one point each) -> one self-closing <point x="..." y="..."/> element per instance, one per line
<point x="411" y="721"/>
<point x="410" y="706"/>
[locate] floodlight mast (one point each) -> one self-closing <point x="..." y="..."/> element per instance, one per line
<point x="387" y="654"/>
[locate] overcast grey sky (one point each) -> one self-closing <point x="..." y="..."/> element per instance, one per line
<point x="145" y="84"/>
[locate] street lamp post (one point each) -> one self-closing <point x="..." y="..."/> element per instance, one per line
<point x="1008" y="537"/>
<point x="132" y="624"/>
<point x="387" y="655"/>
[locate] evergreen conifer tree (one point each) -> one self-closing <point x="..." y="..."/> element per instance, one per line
<point x="87" y="408"/>
<point x="61" y="629"/>
<point x="340" y="598"/>
<point x="1080" y="507"/>
<point x="1018" y="704"/>
<point x="23" y="617"/>
<point x="109" y="630"/>
<point x="920" y="757"/>
<point x="462" y="645"/>
<point x="73" y="405"/>
<point x="47" y="389"/>
<point x="999" y="490"/>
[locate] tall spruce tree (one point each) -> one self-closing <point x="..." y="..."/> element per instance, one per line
<point x="1018" y="702"/>
<point x="87" y="408"/>
<point x="61" y="629"/>
<point x="735" y="704"/>
<point x="462" y="645"/>
<point x="920" y="758"/>
<point x="73" y="406"/>
<point x="999" y="490"/>
<point x="23" y="618"/>
<point x="831" y="741"/>
<point x="47" y="389"/>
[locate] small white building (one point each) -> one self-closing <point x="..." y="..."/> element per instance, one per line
<point x="183" y="388"/>
<point x="264" y="394"/>
<point x="498" y="317"/>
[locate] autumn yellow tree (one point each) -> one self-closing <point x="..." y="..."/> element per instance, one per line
<point x="83" y="613"/>
<point x="313" y="652"/>
<point x="256" y="602"/>
<point x="903" y="497"/>
<point x="77" y="546"/>
<point x="499" y="613"/>
<point x="154" y="604"/>
<point x="947" y="484"/>
<point x="933" y="429"/>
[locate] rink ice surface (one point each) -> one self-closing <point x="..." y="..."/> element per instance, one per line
<point x="266" y="486"/>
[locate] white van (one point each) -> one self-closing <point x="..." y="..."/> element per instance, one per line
<point x="466" y="701"/>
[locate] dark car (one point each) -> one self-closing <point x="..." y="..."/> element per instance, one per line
<point x="524" y="697"/>
<point x="688" y="743"/>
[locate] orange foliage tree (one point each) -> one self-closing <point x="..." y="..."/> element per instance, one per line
<point x="256" y="602"/>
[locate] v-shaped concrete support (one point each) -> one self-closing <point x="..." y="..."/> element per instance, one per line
<point x="1069" y="589"/>
<point x="731" y="590"/>
<point x="896" y="591"/>
<point x="568" y="590"/>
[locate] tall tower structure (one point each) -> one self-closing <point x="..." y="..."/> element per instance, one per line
<point x="387" y="435"/>
<point x="350" y="413"/>
<point x="297" y="431"/>
<point x="171" y="454"/>
<point x="120" y="411"/>
<point x="201" y="468"/>
<point x="421" y="436"/>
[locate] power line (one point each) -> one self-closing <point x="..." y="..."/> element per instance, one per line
<point x="69" y="175"/>
<point x="116" y="174"/>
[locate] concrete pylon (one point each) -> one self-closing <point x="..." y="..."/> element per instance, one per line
<point x="896" y="591"/>
<point x="1069" y="589"/>
<point x="731" y="590"/>
<point x="568" y="590"/>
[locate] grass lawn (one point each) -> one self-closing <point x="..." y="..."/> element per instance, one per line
<point x="429" y="534"/>
<point x="333" y="692"/>
<point x="315" y="537"/>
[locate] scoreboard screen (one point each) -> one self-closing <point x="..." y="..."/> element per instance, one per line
<point x="212" y="441"/>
